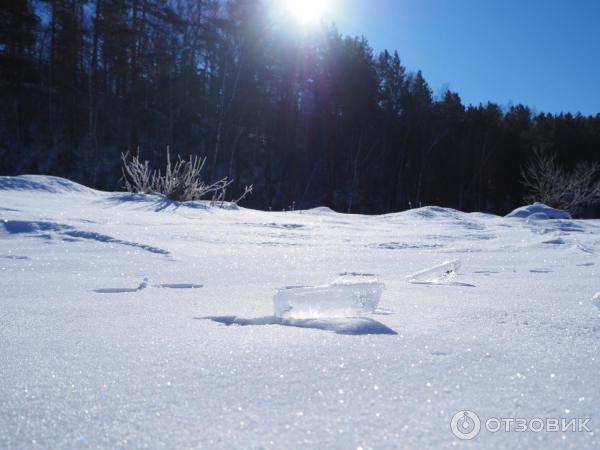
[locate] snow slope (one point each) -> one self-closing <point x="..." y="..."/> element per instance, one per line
<point x="130" y="321"/>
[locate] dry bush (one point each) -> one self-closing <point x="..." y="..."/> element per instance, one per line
<point x="549" y="183"/>
<point x="137" y="176"/>
<point x="182" y="180"/>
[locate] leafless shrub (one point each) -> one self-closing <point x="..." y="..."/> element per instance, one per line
<point x="137" y="175"/>
<point x="549" y="183"/>
<point x="247" y="191"/>
<point x="182" y="180"/>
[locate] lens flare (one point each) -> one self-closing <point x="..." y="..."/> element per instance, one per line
<point x="307" y="11"/>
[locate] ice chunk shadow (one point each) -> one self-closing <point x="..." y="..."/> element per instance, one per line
<point x="180" y="286"/>
<point x="15" y="257"/>
<point x="541" y="270"/>
<point x="358" y="326"/>
<point x="143" y="285"/>
<point x="115" y="290"/>
<point x="442" y="283"/>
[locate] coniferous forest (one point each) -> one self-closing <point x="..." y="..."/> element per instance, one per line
<point x="309" y="119"/>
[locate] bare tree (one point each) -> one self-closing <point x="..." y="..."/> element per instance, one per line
<point x="549" y="183"/>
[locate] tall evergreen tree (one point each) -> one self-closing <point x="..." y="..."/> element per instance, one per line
<point x="309" y="118"/>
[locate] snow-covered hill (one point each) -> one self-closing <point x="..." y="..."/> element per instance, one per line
<point x="130" y="321"/>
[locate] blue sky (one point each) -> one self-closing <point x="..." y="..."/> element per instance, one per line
<point x="542" y="53"/>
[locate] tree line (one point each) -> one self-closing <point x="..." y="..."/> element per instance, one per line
<point x="307" y="118"/>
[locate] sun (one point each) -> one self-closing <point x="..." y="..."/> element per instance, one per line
<point x="307" y="11"/>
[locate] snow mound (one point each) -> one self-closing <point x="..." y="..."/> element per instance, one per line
<point x="539" y="211"/>
<point x="351" y="295"/>
<point x="440" y="274"/>
<point x="42" y="183"/>
<point x="320" y="210"/>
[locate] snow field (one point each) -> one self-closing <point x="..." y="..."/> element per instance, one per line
<point x="134" y="322"/>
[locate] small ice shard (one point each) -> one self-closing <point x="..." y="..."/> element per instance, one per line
<point x="440" y="274"/>
<point x="354" y="278"/>
<point x="596" y="300"/>
<point x="351" y="295"/>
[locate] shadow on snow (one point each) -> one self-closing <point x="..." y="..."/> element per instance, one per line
<point x="348" y="326"/>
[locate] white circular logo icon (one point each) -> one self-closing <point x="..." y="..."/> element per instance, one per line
<point x="465" y="425"/>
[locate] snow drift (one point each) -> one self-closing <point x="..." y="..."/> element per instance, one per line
<point x="132" y="321"/>
<point x="539" y="211"/>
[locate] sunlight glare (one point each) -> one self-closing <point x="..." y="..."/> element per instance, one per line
<point x="307" y="11"/>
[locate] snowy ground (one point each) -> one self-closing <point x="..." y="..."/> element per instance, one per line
<point x="106" y="339"/>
